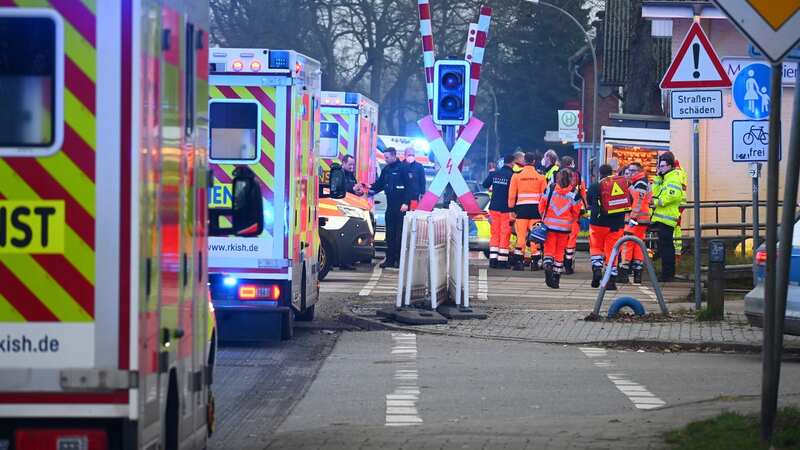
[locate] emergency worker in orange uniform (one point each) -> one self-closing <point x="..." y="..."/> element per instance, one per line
<point x="560" y="210"/>
<point x="638" y="221"/>
<point x="580" y="189"/>
<point x="500" y="213"/>
<point x="524" y="196"/>
<point x="604" y="231"/>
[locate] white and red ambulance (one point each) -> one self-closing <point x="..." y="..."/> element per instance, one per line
<point x="263" y="145"/>
<point x="103" y="290"/>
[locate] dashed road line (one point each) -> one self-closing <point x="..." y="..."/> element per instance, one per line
<point x="401" y="405"/>
<point x="483" y="285"/>
<point x="636" y="393"/>
<point x="373" y="281"/>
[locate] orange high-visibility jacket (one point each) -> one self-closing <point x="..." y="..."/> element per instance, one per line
<point x="563" y="208"/>
<point x="641" y="195"/>
<point x="526" y="187"/>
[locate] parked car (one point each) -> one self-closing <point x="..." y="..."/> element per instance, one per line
<point x="754" y="300"/>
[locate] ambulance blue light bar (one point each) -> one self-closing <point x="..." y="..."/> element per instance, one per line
<point x="278" y="59"/>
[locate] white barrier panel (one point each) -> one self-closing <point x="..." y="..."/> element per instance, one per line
<point x="458" y="255"/>
<point x="434" y="257"/>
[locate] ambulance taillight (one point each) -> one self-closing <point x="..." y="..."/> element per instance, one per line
<point x="58" y="438"/>
<point x="259" y="292"/>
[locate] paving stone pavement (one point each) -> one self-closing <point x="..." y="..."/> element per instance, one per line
<point x="521" y="307"/>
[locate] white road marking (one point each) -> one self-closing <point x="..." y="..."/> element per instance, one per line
<point x="401" y="405"/>
<point x="373" y="281"/>
<point x="648" y="292"/>
<point x="483" y="285"/>
<point x="636" y="393"/>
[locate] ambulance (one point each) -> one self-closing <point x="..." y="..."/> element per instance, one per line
<point x="106" y="340"/>
<point x="263" y="146"/>
<point x="348" y="126"/>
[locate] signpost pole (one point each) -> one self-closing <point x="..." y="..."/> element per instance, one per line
<point x="786" y="234"/>
<point x="698" y="287"/>
<point x="756" y="173"/>
<point x="770" y="360"/>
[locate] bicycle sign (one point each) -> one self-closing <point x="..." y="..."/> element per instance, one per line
<point x="750" y="141"/>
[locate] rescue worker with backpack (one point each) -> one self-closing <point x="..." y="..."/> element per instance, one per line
<point x="567" y="162"/>
<point x="524" y="195"/>
<point x="500" y="213"/>
<point x="560" y="209"/>
<point x="608" y="201"/>
<point x="638" y="220"/>
<point x="668" y="195"/>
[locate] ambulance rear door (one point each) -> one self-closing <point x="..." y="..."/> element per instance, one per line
<point x="248" y="128"/>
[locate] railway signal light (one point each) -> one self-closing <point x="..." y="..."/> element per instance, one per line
<point x="451" y="92"/>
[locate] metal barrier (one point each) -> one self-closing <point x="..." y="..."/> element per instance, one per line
<point x="434" y="256"/>
<point x="650" y="270"/>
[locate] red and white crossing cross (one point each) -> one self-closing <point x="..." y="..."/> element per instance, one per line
<point x="449" y="161"/>
<point x="428" y="57"/>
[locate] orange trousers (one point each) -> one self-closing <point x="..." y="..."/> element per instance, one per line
<point x="631" y="252"/>
<point x="521" y="227"/>
<point x="554" y="247"/>
<point x="501" y="235"/>
<point x="572" y="242"/>
<point x="601" y="243"/>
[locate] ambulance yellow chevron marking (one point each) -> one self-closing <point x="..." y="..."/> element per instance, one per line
<point x="8" y="313"/>
<point x="46" y="289"/>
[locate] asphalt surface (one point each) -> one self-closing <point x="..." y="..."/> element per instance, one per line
<point x="333" y="386"/>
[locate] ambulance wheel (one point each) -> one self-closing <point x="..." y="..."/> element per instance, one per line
<point x="324" y="261"/>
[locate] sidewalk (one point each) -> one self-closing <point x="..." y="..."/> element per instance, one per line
<point x="521" y="307"/>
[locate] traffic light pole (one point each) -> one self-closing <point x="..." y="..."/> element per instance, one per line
<point x="449" y="132"/>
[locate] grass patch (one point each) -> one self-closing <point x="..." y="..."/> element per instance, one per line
<point x="733" y="431"/>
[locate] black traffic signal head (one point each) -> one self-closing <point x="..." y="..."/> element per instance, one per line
<point x="451" y="92"/>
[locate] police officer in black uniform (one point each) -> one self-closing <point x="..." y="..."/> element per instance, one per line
<point x="393" y="182"/>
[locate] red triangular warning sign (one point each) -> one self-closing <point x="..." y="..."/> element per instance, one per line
<point x="696" y="64"/>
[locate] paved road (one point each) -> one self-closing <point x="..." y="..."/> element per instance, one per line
<point x="332" y="387"/>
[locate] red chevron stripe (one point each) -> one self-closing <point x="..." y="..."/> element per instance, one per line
<point x="227" y="92"/>
<point x="342" y="122"/>
<point x="265" y="160"/>
<point x="268" y="133"/>
<point x="68" y="277"/>
<point x="78" y="151"/>
<point x="79" y="16"/>
<point x="263" y="98"/>
<point x="79" y="84"/>
<point x="220" y="174"/>
<point x="47" y="188"/>
<point x="22" y="299"/>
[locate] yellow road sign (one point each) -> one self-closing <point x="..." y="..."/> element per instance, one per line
<point x="771" y="25"/>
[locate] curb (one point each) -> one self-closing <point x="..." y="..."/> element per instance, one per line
<point x="368" y="324"/>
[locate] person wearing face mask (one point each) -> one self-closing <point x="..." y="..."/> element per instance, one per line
<point x="668" y="195"/>
<point x="415" y="184"/>
<point x="550" y="164"/>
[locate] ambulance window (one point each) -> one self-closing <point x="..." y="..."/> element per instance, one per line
<point x="31" y="80"/>
<point x="329" y="139"/>
<point x="234" y="131"/>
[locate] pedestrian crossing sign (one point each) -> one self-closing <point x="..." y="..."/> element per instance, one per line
<point x="616" y="190"/>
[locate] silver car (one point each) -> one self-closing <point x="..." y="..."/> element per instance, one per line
<point x="754" y="300"/>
